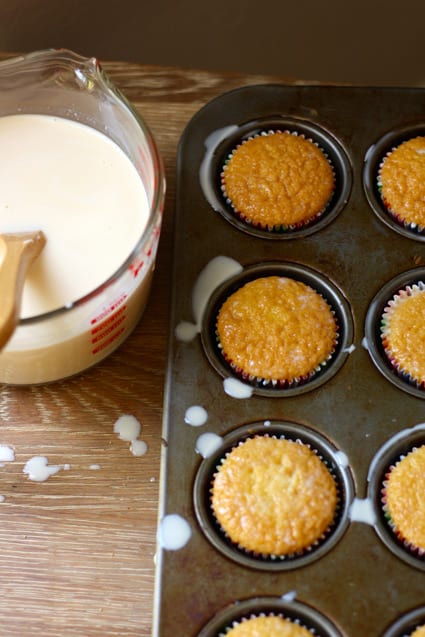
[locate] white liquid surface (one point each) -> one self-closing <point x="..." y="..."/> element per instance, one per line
<point x="207" y="444"/>
<point x="342" y="459"/>
<point x="196" y="416"/>
<point x="138" y="447"/>
<point x="215" y="272"/>
<point x="78" y="187"/>
<point x="127" y="427"/>
<point x="7" y="454"/>
<point x="236" y="389"/>
<point x="290" y="596"/>
<point x="174" y="532"/>
<point x="37" y="469"/>
<point x="362" y="511"/>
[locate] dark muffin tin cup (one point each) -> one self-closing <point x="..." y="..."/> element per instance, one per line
<point x="373" y="329"/>
<point x="396" y="447"/>
<point x="406" y="624"/>
<point x="294" y="610"/>
<point x="329" y="291"/>
<point x="373" y="160"/>
<point x="221" y="144"/>
<point x="326" y="450"/>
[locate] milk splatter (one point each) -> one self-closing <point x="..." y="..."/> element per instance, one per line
<point x="174" y="532"/>
<point x="342" y="459"/>
<point x="365" y="343"/>
<point x="138" y="447"/>
<point x="129" y="428"/>
<point x="290" y="596"/>
<point x="236" y="389"/>
<point x="215" y="272"/>
<point x="362" y="511"/>
<point x="207" y="444"/>
<point x="7" y="453"/>
<point x="196" y="416"/>
<point x="37" y="469"/>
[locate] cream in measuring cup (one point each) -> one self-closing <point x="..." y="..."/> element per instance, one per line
<point x="80" y="188"/>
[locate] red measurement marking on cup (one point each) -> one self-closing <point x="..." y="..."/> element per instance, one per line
<point x="108" y="325"/>
<point x="136" y="266"/>
<point x="107" y="311"/>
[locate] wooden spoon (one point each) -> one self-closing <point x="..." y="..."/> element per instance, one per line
<point x="17" y="252"/>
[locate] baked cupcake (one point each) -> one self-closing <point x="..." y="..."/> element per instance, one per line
<point x="403" y="333"/>
<point x="275" y="330"/>
<point x="401" y="181"/>
<point x="419" y="632"/>
<point x="278" y="181"/>
<point x="274" y="497"/>
<point x="266" y="626"/>
<point x="403" y="499"/>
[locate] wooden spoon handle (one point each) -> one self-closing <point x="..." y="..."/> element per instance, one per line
<point x="17" y="252"/>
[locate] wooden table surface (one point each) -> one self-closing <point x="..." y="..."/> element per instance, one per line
<point x="77" y="551"/>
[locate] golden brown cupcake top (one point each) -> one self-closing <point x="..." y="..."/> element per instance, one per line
<point x="268" y="627"/>
<point x="278" y="179"/>
<point x="273" y="496"/>
<point x="405" y="500"/>
<point x="419" y="632"/>
<point x="403" y="181"/>
<point x="403" y="333"/>
<point x="276" y="328"/>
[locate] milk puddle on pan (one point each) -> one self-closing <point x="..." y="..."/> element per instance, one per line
<point x="351" y="412"/>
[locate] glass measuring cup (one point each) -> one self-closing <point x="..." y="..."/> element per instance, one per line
<point x="65" y="341"/>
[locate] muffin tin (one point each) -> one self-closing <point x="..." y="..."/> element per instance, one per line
<point x="357" y="412"/>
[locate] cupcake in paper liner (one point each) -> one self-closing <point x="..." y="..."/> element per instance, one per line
<point x="276" y="331"/>
<point x="266" y="625"/>
<point x="401" y="183"/>
<point x="274" y="498"/>
<point x="403" y="500"/>
<point x="403" y="333"/>
<point x="278" y="181"/>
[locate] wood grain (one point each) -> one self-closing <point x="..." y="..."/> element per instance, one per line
<point x="77" y="551"/>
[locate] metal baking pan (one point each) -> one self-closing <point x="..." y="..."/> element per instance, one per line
<point x="361" y="583"/>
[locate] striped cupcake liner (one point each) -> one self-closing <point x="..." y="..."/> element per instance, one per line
<point x="290" y="556"/>
<point x="410" y="226"/>
<point x="405" y="374"/>
<point x="280" y="383"/>
<point x="276" y="228"/>
<point x="416" y="551"/>
<point x="242" y="620"/>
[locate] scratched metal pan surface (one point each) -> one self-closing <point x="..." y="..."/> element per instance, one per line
<point x="360" y="582"/>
